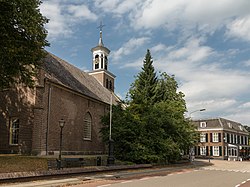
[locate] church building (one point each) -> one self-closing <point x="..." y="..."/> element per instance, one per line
<point x="29" y="118"/>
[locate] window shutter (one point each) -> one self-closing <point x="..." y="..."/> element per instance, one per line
<point x="219" y="136"/>
<point x="199" y="151"/>
<point x="206" y="137"/>
<point x="206" y="150"/>
<point x="220" y="150"/>
<point x="211" y="137"/>
<point x="211" y="150"/>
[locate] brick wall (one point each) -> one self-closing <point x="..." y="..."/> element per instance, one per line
<point x="16" y="103"/>
<point x="72" y="107"/>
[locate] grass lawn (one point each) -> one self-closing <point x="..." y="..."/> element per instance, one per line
<point x="16" y="163"/>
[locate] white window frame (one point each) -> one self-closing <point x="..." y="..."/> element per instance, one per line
<point x="216" y="151"/>
<point x="215" y="137"/>
<point x="225" y="137"/>
<point x="203" y="124"/>
<point x="203" y="137"/>
<point x="14" y="131"/>
<point x="203" y="150"/>
<point x="225" y="151"/>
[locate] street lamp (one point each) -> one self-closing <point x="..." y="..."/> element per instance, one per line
<point x="199" y="110"/>
<point x="61" y="125"/>
<point x="191" y="150"/>
<point x="111" y="158"/>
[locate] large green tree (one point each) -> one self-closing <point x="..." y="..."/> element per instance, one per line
<point x="142" y="91"/>
<point x="153" y="127"/>
<point x="23" y="37"/>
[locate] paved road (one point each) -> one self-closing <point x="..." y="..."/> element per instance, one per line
<point x="221" y="173"/>
<point x="195" y="178"/>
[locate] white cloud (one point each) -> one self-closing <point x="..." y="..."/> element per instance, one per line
<point x="135" y="64"/>
<point x="63" y="17"/>
<point x="191" y="52"/>
<point x="239" y="28"/>
<point x="129" y="47"/>
<point x="155" y="13"/>
<point x="117" y="7"/>
<point x="213" y="105"/>
<point x="81" y="11"/>
<point x="239" y="116"/>
<point x="205" y="82"/>
<point x="245" y="105"/>
<point x="158" y="48"/>
<point x="56" y="26"/>
<point x="247" y="63"/>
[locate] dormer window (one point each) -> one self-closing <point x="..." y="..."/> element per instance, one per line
<point x="203" y="124"/>
<point x="240" y="127"/>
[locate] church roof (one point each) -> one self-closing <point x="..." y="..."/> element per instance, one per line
<point x="64" y="73"/>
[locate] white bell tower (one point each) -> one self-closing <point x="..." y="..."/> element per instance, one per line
<point x="100" y="64"/>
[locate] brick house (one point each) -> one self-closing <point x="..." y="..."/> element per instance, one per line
<point x="221" y="139"/>
<point x="29" y="118"/>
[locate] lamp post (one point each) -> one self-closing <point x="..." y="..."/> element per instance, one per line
<point x="191" y="151"/>
<point x="61" y="125"/>
<point x="199" y="110"/>
<point x="111" y="158"/>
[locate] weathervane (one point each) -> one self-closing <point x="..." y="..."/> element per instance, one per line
<point x="100" y="39"/>
<point x="101" y="26"/>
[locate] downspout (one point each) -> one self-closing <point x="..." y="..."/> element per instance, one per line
<point x="48" y="118"/>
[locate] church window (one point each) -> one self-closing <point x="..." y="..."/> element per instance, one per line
<point x="102" y="61"/>
<point x="87" y="127"/>
<point x="110" y="85"/>
<point x="14" y="131"/>
<point x="107" y="83"/>
<point x="96" y="61"/>
<point x="106" y="63"/>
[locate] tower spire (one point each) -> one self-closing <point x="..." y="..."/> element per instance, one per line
<point x="100" y="64"/>
<point x="100" y="39"/>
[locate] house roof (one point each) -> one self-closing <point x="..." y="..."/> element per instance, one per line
<point x="64" y="73"/>
<point x="221" y="123"/>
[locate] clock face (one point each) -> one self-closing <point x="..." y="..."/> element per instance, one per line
<point x="96" y="60"/>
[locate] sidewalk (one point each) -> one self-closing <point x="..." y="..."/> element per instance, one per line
<point x="230" y="165"/>
<point x="66" y="171"/>
<point x="78" y="179"/>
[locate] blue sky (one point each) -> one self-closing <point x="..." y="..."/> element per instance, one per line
<point x="204" y="43"/>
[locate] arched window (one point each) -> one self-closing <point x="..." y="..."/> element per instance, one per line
<point x="102" y="61"/>
<point x="96" y="61"/>
<point x="87" y="126"/>
<point x="14" y="131"/>
<point x="107" y="83"/>
<point x="106" y="63"/>
<point x="110" y="85"/>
